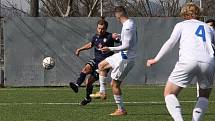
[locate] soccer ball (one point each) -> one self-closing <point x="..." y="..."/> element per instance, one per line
<point x="48" y="63"/>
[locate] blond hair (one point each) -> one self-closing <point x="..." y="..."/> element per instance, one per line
<point x="190" y="10"/>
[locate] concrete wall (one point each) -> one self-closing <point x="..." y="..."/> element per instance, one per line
<point x="28" y="40"/>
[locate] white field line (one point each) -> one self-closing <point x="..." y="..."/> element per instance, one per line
<point x="94" y="103"/>
<point x="62" y="89"/>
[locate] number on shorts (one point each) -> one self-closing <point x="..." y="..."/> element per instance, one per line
<point x="201" y="32"/>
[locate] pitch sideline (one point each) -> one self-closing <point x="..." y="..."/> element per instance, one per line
<point x="93" y="103"/>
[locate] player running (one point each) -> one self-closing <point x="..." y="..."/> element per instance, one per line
<point x="99" y="40"/>
<point x="196" y="58"/>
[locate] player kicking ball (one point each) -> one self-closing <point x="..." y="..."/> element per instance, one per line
<point x="196" y="58"/>
<point x="123" y="61"/>
<point x="99" y="40"/>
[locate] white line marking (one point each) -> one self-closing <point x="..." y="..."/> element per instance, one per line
<point x="67" y="88"/>
<point x="96" y="103"/>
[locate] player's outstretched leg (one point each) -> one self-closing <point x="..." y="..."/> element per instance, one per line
<point x="74" y="87"/>
<point x="86" y="70"/>
<point x="78" y="83"/>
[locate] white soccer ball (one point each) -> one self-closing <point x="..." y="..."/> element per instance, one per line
<point x="48" y="63"/>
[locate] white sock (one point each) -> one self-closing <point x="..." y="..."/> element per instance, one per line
<point x="200" y="109"/>
<point x="173" y="107"/>
<point x="102" y="82"/>
<point x="197" y="89"/>
<point x="119" y="102"/>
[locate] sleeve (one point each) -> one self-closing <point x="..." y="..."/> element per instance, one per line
<point x="170" y="43"/>
<point x="128" y="35"/>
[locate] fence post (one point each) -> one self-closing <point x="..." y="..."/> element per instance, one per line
<point x="1" y="53"/>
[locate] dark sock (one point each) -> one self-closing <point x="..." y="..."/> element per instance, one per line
<point x="81" y="78"/>
<point x="89" y="90"/>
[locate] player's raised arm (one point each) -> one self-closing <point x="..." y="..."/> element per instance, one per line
<point x="168" y="45"/>
<point x="85" y="47"/>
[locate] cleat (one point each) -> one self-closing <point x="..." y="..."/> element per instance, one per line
<point x="85" y="102"/>
<point x="119" y="112"/>
<point x="74" y="87"/>
<point x="99" y="95"/>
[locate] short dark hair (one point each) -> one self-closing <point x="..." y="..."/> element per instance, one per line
<point x="211" y="21"/>
<point x="121" y="9"/>
<point x="102" y="21"/>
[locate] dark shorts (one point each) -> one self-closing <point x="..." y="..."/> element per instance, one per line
<point x="94" y="64"/>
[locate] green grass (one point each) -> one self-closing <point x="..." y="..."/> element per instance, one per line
<point x="60" y="104"/>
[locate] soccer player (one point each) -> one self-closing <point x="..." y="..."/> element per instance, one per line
<point x="196" y="58"/>
<point x="99" y="40"/>
<point x="123" y="61"/>
<point x="211" y="24"/>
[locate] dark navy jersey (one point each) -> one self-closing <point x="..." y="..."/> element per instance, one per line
<point x="99" y="41"/>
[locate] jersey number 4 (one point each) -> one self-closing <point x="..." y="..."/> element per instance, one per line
<point x="200" y="32"/>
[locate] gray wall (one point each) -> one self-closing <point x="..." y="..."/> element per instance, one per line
<point x="28" y="40"/>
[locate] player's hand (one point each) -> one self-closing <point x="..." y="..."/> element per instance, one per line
<point x="105" y="49"/>
<point x="115" y="36"/>
<point x="151" y="62"/>
<point x="77" y="52"/>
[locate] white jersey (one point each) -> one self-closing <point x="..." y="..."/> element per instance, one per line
<point x="129" y="40"/>
<point x="196" y="40"/>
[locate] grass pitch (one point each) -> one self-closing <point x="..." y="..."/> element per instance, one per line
<point x="143" y="103"/>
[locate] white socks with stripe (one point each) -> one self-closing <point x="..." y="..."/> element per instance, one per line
<point x="173" y="107"/>
<point x="102" y="82"/>
<point x="119" y="102"/>
<point x="200" y="109"/>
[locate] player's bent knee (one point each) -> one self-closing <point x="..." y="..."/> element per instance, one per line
<point x="103" y="65"/>
<point x="87" y="69"/>
<point x="172" y="88"/>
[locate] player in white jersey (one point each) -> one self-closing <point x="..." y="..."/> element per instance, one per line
<point x="123" y="61"/>
<point x="196" y="58"/>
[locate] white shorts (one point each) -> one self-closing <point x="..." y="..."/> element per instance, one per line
<point x="120" y="66"/>
<point x="184" y="72"/>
